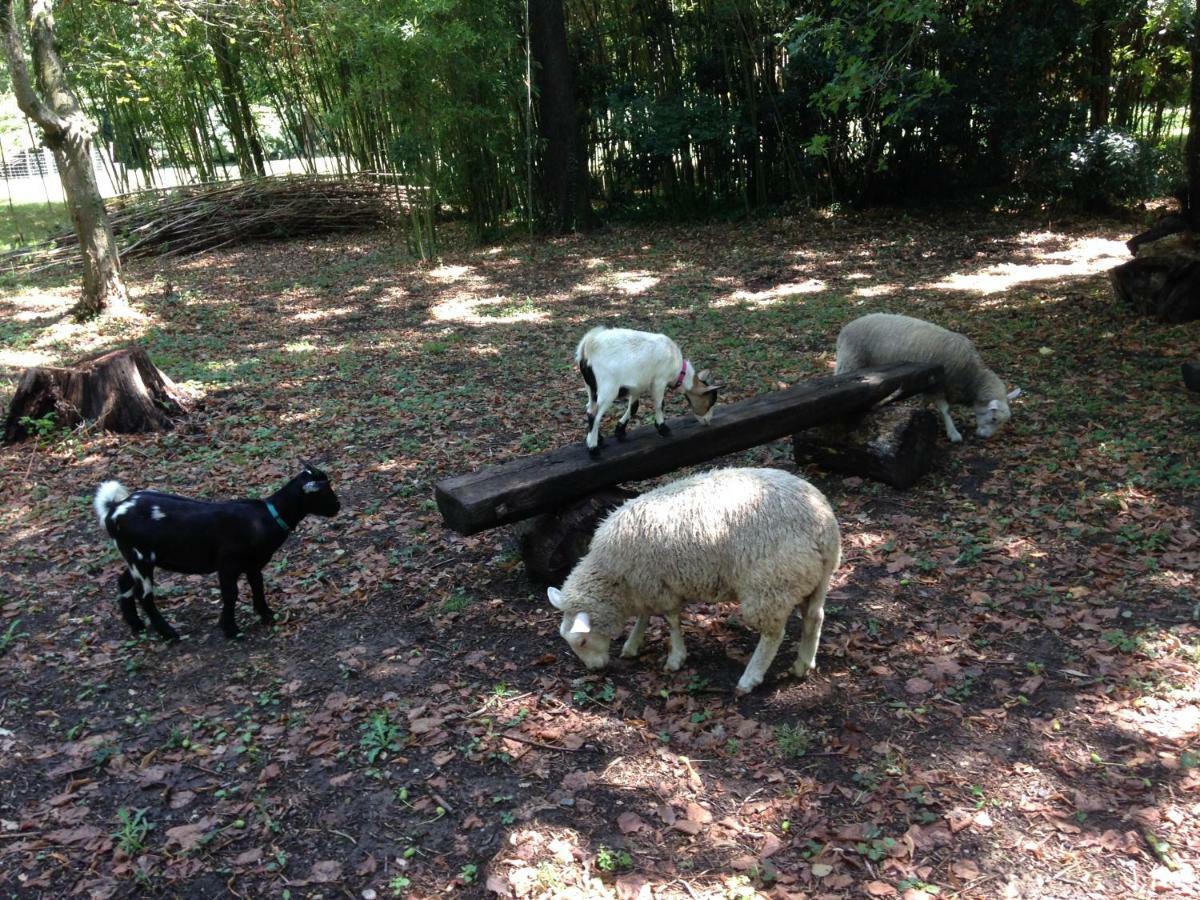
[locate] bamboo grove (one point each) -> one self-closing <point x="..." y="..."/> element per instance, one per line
<point x="681" y="106"/>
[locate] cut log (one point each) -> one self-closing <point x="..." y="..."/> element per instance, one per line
<point x="894" y="444"/>
<point x="525" y="487"/>
<point x="120" y="391"/>
<point x="1191" y="376"/>
<point x="553" y="542"/>
<point x="1166" y="286"/>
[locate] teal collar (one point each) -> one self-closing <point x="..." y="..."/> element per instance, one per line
<point x="276" y="516"/>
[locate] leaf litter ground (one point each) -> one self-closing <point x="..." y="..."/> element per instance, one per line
<point x="1006" y="696"/>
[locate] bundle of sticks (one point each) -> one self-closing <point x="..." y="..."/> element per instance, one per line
<point x="186" y="220"/>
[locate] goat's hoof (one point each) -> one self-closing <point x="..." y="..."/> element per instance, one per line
<point x="746" y="685"/>
<point x="594" y="452"/>
<point x="673" y="664"/>
<point x="171" y="637"/>
<point x="231" y="632"/>
<point x="663" y="429"/>
<point x="620" y="432"/>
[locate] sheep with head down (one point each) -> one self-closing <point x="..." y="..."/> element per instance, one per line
<point x="881" y="339"/>
<point x="763" y="537"/>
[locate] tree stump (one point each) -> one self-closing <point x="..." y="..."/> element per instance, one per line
<point x="893" y="444"/>
<point x="552" y="543"/>
<point x="1163" y="281"/>
<point x="1191" y="376"/>
<point x="120" y="391"/>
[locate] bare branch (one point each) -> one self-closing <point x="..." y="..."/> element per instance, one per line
<point x="27" y="99"/>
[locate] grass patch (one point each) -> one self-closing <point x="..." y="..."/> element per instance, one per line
<point x="29" y="223"/>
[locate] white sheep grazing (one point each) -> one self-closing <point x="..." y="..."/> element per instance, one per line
<point x="880" y="339"/>
<point x="619" y="363"/>
<point x="760" y="536"/>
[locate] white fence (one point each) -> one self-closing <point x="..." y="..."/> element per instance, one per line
<point x="30" y="176"/>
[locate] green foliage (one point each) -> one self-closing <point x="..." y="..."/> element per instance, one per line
<point x="794" y="741"/>
<point x="380" y="737"/>
<point x="692" y="108"/>
<point x="11" y="635"/>
<point x="613" y="860"/>
<point x="132" y="829"/>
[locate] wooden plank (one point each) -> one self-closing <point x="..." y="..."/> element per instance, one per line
<point x="534" y="484"/>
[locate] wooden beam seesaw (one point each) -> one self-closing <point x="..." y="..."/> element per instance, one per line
<point x="527" y="486"/>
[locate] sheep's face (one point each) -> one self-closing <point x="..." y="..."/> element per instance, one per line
<point x="591" y="646"/>
<point x="990" y="416"/>
<point x="702" y="396"/>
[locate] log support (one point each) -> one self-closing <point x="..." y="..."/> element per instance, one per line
<point x="551" y="481"/>
<point x="894" y="444"/>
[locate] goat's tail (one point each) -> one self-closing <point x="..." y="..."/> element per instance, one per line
<point x="108" y="495"/>
<point x="583" y="351"/>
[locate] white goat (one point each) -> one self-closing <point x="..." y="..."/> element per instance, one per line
<point x="760" y="536"/>
<point x="880" y="339"/>
<point x="618" y="363"/>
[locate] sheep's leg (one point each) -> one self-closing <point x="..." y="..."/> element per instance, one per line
<point x="144" y="575"/>
<point x="660" y="420"/>
<point x="678" y="653"/>
<point x="814" y="616"/>
<point x="630" y="412"/>
<point x="127" y="598"/>
<point x="764" y="654"/>
<point x="633" y="644"/>
<point x="254" y="576"/>
<point x="229" y="592"/>
<point x="603" y="402"/>
<point x="944" y="408"/>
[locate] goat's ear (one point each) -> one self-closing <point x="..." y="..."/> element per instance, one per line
<point x="703" y="375"/>
<point x="993" y="404"/>
<point x="556" y="597"/>
<point x="1014" y="393"/>
<point x="713" y="388"/>
<point x="582" y="624"/>
<point x="313" y="487"/>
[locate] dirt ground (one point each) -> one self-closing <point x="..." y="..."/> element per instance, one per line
<point x="1005" y="702"/>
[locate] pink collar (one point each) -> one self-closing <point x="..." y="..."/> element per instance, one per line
<point x="682" y="374"/>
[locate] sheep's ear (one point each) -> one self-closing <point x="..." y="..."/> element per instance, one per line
<point x="556" y="597"/>
<point x="1014" y="393"/>
<point x="582" y="624"/>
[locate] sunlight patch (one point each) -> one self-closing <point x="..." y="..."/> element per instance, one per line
<point x="775" y="294"/>
<point x="487" y="310"/>
<point x="315" y="315"/>
<point x="1082" y="256"/>
<point x="449" y="273"/>
<point x="876" y="290"/>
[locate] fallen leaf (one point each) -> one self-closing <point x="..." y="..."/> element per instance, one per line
<point x="880" y="889"/>
<point x="325" y="871"/>
<point x="918" y="685"/>
<point x="965" y="869"/>
<point x="630" y="822"/>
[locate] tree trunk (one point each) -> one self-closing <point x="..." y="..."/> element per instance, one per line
<point x="1191" y="152"/>
<point x="55" y="109"/>
<point x="562" y="163"/>
<point x="238" y="117"/>
<point x="120" y="391"/>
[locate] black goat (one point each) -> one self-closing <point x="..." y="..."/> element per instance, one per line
<point x="229" y="537"/>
